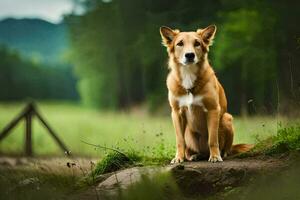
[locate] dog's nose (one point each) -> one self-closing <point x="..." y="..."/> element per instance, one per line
<point x="190" y="56"/>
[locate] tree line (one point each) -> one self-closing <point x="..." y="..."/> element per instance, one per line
<point x="119" y="61"/>
<point x="23" y="79"/>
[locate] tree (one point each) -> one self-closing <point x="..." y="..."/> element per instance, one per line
<point x="245" y="56"/>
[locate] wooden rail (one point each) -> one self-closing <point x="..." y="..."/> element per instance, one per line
<point x="28" y="113"/>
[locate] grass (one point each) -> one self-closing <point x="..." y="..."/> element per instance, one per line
<point x="75" y="124"/>
<point x="142" y="138"/>
<point x="35" y="184"/>
<point x="114" y="161"/>
<point x="151" y="136"/>
<point x="287" y="139"/>
<point x="25" y="183"/>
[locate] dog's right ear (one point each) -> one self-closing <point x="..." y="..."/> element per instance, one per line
<point x="167" y="35"/>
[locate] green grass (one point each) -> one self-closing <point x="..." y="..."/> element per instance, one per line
<point x="114" y="161"/>
<point x="287" y="139"/>
<point x="35" y="184"/>
<point x="152" y="136"/>
<point x="143" y="138"/>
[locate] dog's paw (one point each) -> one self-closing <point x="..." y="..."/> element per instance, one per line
<point x="177" y="160"/>
<point x="215" y="158"/>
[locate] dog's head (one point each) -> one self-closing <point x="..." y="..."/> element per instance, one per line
<point x="187" y="48"/>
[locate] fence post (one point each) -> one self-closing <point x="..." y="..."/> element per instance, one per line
<point x="28" y="130"/>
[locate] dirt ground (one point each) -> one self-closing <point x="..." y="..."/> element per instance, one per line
<point x="76" y="166"/>
<point x="42" y="177"/>
<point x="199" y="178"/>
<point x="193" y="178"/>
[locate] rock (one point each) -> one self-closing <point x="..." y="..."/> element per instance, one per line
<point x="196" y="178"/>
<point x="124" y="178"/>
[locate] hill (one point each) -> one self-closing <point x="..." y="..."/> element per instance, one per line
<point x="35" y="38"/>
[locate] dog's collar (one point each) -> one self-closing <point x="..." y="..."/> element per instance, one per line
<point x="190" y="90"/>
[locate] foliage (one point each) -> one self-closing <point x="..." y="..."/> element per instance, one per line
<point x="21" y="78"/>
<point x="123" y="55"/>
<point x="250" y="53"/>
<point x="286" y="140"/>
<point x="120" y="62"/>
<point x="114" y="161"/>
<point x="117" y="159"/>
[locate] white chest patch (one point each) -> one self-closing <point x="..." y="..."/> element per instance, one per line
<point x="189" y="100"/>
<point x="188" y="77"/>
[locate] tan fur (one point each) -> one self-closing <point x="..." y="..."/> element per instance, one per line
<point x="202" y="127"/>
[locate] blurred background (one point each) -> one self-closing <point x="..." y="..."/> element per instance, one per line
<point x="97" y="67"/>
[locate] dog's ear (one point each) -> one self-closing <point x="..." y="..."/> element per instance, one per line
<point x="167" y="35"/>
<point x="208" y="34"/>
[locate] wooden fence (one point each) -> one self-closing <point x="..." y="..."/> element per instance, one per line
<point x="29" y="112"/>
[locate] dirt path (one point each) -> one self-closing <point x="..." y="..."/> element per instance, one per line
<point x="55" y="165"/>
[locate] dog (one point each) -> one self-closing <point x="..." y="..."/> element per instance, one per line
<point x="199" y="107"/>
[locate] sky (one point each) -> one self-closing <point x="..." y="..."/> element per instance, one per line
<point x="50" y="10"/>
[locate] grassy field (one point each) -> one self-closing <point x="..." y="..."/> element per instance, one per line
<point x="74" y="124"/>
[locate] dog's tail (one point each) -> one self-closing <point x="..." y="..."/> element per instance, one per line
<point x="240" y="148"/>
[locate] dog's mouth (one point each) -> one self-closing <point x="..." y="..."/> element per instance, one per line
<point x="189" y="62"/>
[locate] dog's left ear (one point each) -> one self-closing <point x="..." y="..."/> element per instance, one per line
<point x="208" y="34"/>
<point x="167" y="35"/>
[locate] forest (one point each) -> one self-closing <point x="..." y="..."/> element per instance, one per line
<point x="119" y="60"/>
<point x="25" y="79"/>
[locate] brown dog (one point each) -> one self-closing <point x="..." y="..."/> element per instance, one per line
<point x="199" y="106"/>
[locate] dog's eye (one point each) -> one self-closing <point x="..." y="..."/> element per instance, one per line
<point x="197" y="44"/>
<point x="180" y="44"/>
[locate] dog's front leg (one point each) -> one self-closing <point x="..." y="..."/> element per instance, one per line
<point x="179" y="125"/>
<point x="213" y="143"/>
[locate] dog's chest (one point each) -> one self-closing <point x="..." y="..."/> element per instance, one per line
<point x="189" y="99"/>
<point x="188" y="78"/>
